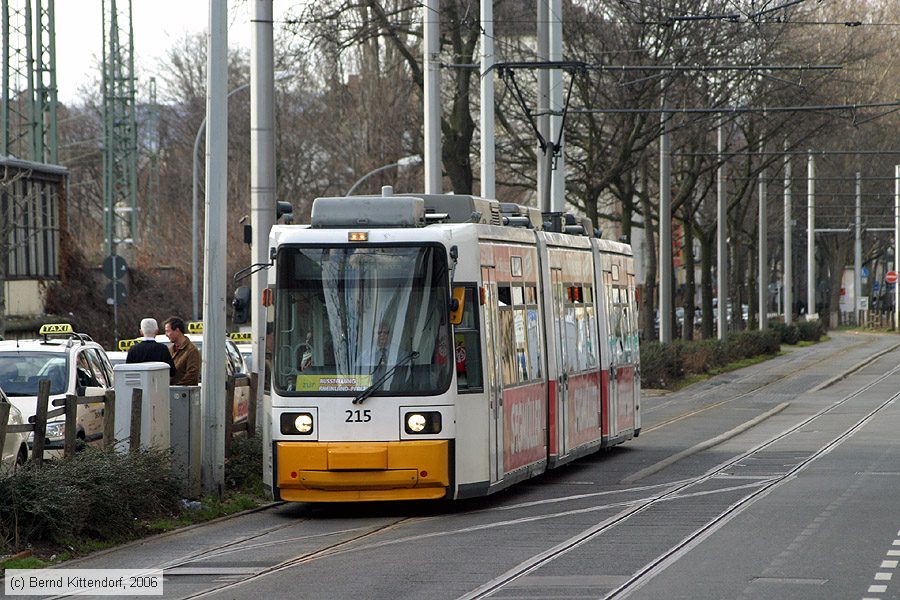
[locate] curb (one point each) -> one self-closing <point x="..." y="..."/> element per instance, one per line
<point x="853" y="369"/>
<point x="655" y="468"/>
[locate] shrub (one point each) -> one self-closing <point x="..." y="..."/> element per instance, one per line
<point x="701" y="356"/>
<point x="811" y="331"/>
<point x="660" y="364"/>
<point x="790" y="334"/>
<point x="96" y="494"/>
<point x="244" y="466"/>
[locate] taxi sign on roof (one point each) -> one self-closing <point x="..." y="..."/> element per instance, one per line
<point x="195" y="327"/>
<point x="124" y="345"/>
<point x="240" y="336"/>
<point x="55" y="328"/>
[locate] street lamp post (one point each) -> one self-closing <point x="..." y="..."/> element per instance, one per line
<point x="195" y="217"/>
<point x="406" y="161"/>
<point x="195" y="208"/>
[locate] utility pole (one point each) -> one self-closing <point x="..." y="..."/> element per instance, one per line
<point x="810" y="234"/>
<point x="762" y="267"/>
<point x="788" y="279"/>
<point x="212" y="405"/>
<point x="857" y="254"/>
<point x="432" y="77"/>
<point x="721" y="236"/>
<point x="262" y="172"/>
<point x="545" y="153"/>
<point x="557" y="162"/>
<point x="665" y="229"/>
<point x="896" y="244"/>
<point x="488" y="182"/>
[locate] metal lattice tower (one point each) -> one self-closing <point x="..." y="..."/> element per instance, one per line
<point x="45" y="100"/>
<point x="18" y="123"/>
<point x="29" y="81"/>
<point x="151" y="220"/>
<point x="120" y="127"/>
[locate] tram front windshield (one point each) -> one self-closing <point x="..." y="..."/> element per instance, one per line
<point x="347" y="317"/>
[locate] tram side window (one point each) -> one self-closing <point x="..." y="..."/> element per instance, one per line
<point x="590" y="328"/>
<point x="508" y="358"/>
<point x="467" y="346"/>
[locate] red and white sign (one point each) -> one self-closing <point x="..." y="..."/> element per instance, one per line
<point x="891" y="276"/>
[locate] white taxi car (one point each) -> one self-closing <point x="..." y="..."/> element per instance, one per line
<point x="15" y="446"/>
<point x="74" y="364"/>
<point x="242" y="341"/>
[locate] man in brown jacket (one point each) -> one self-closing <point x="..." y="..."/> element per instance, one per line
<point x="184" y="353"/>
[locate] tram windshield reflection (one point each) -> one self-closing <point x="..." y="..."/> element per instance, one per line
<point x="346" y="315"/>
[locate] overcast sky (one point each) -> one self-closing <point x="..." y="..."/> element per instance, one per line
<point x="158" y="25"/>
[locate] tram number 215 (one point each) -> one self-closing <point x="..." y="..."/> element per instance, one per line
<point x="358" y="416"/>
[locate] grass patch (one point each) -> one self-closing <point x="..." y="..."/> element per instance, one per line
<point x="744" y="362"/>
<point x="210" y="508"/>
<point x="32" y="562"/>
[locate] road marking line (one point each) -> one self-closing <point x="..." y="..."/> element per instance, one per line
<point x="883" y="576"/>
<point x="896" y="543"/>
<point x="875" y="589"/>
<point x="893" y="552"/>
<point x="889" y="564"/>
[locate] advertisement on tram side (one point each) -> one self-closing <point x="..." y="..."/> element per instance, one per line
<point x="524" y="425"/>
<point x="583" y="398"/>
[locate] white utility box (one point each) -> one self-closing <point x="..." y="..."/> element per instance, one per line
<point x="153" y="379"/>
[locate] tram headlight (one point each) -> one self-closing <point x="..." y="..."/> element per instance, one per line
<point x="422" y="422"/>
<point x="296" y="423"/>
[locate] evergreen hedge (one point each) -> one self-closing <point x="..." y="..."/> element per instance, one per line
<point x="664" y="364"/>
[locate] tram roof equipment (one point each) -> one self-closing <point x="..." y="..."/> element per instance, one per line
<point x="391" y="210"/>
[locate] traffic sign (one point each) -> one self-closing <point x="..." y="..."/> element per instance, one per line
<point x="865" y="271"/>
<point x="891" y="276"/>
<point x="116" y="293"/>
<point x="114" y="266"/>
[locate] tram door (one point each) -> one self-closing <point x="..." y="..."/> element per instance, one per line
<point x="493" y="384"/>
<point x="615" y="350"/>
<point x="622" y="342"/>
<point x="558" y="291"/>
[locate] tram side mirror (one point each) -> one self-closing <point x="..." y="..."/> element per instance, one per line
<point x="457" y="305"/>
<point x="284" y="209"/>
<point x="241" y="305"/>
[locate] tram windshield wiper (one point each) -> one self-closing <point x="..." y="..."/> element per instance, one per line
<point x="371" y="389"/>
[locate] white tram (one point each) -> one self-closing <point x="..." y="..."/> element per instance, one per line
<point x="442" y="346"/>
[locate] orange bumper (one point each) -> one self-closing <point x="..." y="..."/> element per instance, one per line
<point x="362" y="471"/>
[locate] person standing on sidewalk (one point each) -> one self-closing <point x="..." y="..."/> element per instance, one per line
<point x="148" y="349"/>
<point x="184" y="353"/>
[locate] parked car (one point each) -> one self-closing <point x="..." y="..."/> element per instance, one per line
<point x="117" y="357"/>
<point x="15" y="446"/>
<point x="74" y="364"/>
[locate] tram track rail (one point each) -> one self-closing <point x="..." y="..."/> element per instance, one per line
<point x="627" y="504"/>
<point x="677" y="490"/>
<point x="626" y="508"/>
<point x="328" y="550"/>
<point x="766" y="384"/>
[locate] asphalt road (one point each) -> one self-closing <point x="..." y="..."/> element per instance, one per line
<point x="777" y="481"/>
